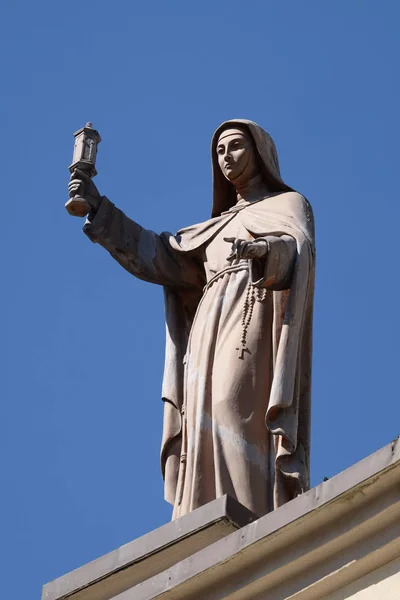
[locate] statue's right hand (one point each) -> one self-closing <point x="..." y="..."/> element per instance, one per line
<point x="80" y="184"/>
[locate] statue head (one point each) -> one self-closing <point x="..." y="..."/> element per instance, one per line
<point x="240" y="150"/>
<point x="237" y="156"/>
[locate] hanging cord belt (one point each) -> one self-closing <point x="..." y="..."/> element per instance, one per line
<point x="253" y="295"/>
<point x="230" y="269"/>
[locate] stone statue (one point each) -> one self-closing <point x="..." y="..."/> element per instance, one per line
<point x="238" y="302"/>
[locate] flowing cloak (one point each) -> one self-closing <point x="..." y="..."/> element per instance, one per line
<point x="168" y="259"/>
<point x="288" y="413"/>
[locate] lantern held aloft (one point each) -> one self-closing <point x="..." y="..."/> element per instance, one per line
<point x="84" y="159"/>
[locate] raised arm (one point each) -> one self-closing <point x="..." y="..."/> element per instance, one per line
<point x="143" y="253"/>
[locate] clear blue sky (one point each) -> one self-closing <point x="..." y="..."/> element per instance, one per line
<point x="82" y="340"/>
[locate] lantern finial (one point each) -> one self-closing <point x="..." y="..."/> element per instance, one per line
<point x="84" y="159"/>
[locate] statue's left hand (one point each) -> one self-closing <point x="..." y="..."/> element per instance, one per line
<point x="247" y="248"/>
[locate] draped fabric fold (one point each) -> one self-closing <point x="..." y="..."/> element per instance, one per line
<point x="288" y="408"/>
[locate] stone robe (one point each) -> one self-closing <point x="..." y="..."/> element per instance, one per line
<point x="237" y="377"/>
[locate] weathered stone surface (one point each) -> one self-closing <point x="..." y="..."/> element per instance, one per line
<point x="150" y="554"/>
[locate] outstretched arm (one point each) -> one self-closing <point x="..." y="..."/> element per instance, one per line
<point x="141" y="252"/>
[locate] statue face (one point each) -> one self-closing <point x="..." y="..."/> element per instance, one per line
<point x="236" y="156"/>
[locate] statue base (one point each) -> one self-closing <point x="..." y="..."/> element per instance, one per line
<point x="77" y="207"/>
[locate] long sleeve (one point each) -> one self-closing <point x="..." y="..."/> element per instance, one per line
<point x="143" y="253"/>
<point x="275" y="271"/>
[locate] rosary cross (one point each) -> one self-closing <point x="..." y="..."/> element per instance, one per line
<point x="241" y="352"/>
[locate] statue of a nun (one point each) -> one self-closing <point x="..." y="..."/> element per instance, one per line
<point x="238" y="304"/>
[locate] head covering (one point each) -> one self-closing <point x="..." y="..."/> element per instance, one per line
<point x="224" y="193"/>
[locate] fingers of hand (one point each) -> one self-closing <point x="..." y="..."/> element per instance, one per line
<point x="243" y="250"/>
<point x="78" y="174"/>
<point x="237" y="249"/>
<point x="256" y="250"/>
<point x="231" y="240"/>
<point x="251" y="251"/>
<point x="75" y="187"/>
<point x="78" y="180"/>
<point x="246" y="249"/>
